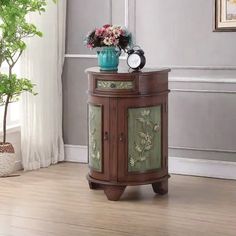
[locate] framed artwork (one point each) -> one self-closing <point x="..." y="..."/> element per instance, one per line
<point x="225" y="15"/>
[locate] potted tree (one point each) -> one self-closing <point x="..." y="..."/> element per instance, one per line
<point x="14" y="29"/>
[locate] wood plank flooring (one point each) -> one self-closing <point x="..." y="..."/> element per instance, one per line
<point x="57" y="202"/>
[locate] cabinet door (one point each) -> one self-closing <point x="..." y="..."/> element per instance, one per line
<point x="98" y="146"/>
<point x="143" y="138"/>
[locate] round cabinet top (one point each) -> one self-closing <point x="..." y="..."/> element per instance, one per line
<point x="127" y="71"/>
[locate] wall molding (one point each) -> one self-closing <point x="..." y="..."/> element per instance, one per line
<point x="200" y="167"/>
<point x="126" y="13"/>
<point x="207" y="67"/>
<point x="172" y="79"/>
<point x="203" y="80"/>
<point x="203" y="149"/>
<point x="88" y="56"/>
<point x="76" y="153"/>
<point x="18" y="165"/>
<point x="177" y="165"/>
<point x="199" y="80"/>
<point x="110" y="12"/>
<point x="203" y="91"/>
<point x="130" y="17"/>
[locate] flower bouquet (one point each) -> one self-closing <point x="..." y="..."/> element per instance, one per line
<point x="111" y="39"/>
<point x="109" y="35"/>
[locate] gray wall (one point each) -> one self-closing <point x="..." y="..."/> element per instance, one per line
<point x="174" y="33"/>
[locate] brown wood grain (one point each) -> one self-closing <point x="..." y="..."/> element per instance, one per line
<point x="56" y="201"/>
<point x="150" y="89"/>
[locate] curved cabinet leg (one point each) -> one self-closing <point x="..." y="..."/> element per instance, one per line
<point x="161" y="187"/>
<point x="94" y="186"/>
<point x="113" y="192"/>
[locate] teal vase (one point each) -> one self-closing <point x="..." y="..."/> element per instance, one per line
<point x="108" y="58"/>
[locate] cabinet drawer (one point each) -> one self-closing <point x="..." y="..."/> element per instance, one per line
<point x="114" y="85"/>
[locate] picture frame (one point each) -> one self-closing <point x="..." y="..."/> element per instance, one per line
<point x="225" y="15"/>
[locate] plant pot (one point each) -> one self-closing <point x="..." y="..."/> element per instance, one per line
<point x="108" y="58"/>
<point x="7" y="159"/>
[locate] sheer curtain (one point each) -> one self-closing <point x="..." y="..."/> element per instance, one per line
<point x="41" y="123"/>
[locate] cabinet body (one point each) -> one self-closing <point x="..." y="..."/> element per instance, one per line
<point x="127" y="130"/>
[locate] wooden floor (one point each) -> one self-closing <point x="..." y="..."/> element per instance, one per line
<point x="57" y="201"/>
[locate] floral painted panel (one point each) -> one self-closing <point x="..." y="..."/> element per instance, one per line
<point x="144" y="138"/>
<point x="101" y="84"/>
<point x="95" y="140"/>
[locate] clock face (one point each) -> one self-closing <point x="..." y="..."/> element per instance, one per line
<point x="134" y="61"/>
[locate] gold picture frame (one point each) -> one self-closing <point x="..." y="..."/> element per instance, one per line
<point x="225" y="15"/>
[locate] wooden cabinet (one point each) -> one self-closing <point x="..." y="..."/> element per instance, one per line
<point x="127" y="130"/>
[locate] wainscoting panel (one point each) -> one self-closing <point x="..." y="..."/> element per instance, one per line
<point x="202" y="111"/>
<point x="202" y="115"/>
<point x="177" y="165"/>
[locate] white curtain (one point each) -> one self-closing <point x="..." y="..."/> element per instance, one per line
<point x="41" y="125"/>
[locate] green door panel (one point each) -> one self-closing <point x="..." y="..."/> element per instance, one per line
<point x="95" y="137"/>
<point x="144" y="139"/>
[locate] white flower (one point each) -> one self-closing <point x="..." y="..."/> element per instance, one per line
<point x="156" y="127"/>
<point x="143" y="159"/>
<point x="98" y="155"/>
<point x="107" y="41"/>
<point x="116" y="32"/>
<point x="114" y="41"/>
<point x="132" y="162"/>
<point x="145" y="113"/>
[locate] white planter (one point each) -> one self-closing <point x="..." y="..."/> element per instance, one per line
<point x="7" y="163"/>
<point x="7" y="159"/>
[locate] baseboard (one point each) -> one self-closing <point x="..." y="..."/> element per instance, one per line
<point x="18" y="166"/>
<point x="76" y="153"/>
<point x="201" y="167"/>
<point x="177" y="165"/>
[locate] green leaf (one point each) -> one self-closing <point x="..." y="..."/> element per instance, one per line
<point x="149" y="147"/>
<point x="140" y="119"/>
<point x="13" y="87"/>
<point x="138" y="148"/>
<point x="14" y="28"/>
<point x="143" y="158"/>
<point x="142" y="135"/>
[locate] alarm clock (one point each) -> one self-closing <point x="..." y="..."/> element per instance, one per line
<point x="136" y="59"/>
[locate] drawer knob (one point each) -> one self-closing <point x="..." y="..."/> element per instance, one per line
<point x="121" y="137"/>
<point x="106" y="136"/>
<point x="113" y="85"/>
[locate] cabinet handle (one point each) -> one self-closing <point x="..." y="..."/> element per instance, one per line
<point x="121" y="137"/>
<point x="106" y="136"/>
<point x="166" y="107"/>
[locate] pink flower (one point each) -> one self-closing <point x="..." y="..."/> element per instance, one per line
<point x="122" y="32"/>
<point x="113" y="41"/>
<point x="108" y="35"/>
<point x="90" y="46"/>
<point x="109" y="32"/>
<point x="99" y="32"/>
<point x="106" y="26"/>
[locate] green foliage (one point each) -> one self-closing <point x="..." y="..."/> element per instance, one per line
<point x="14" y="29"/>
<point x="12" y="87"/>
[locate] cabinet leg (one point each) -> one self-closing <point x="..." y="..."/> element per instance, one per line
<point x="161" y="187"/>
<point x="113" y="192"/>
<point x="94" y="186"/>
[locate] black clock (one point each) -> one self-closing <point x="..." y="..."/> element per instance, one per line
<point x="136" y="59"/>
